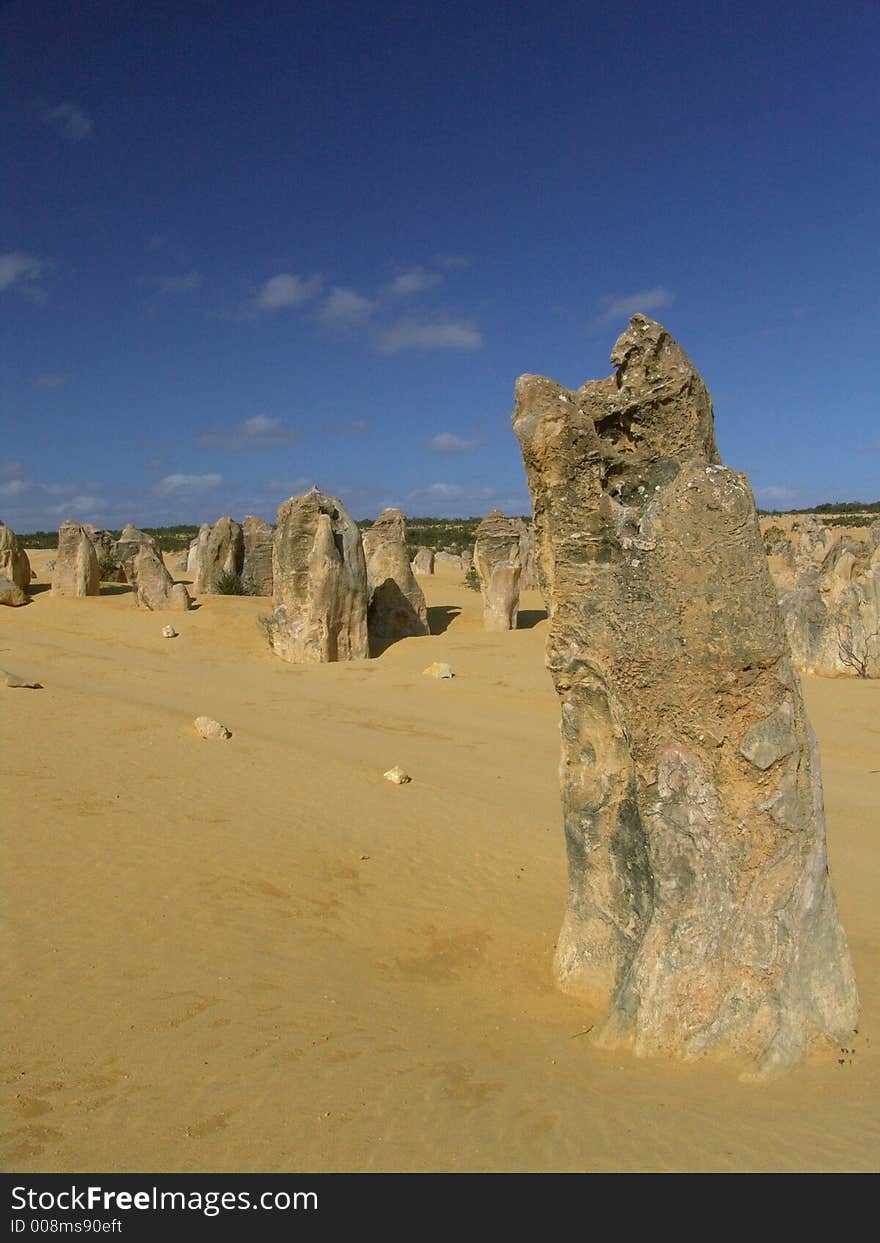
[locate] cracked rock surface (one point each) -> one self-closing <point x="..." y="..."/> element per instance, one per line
<point x="320" y="582"/>
<point x="700" y="911"/>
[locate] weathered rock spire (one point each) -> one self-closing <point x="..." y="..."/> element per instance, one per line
<point x="700" y="911"/>
<point x="497" y="557"/>
<point x="320" y="582"/>
<point x="397" y="607"/>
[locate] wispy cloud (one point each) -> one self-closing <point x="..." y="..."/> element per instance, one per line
<point x="51" y="379"/>
<point x="70" y="121"/>
<point x="288" y="487"/>
<point x="258" y="432"/>
<point x="873" y="448"/>
<point x="286" y="289"/>
<point x="81" y="507"/>
<point x="187" y="282"/>
<point x="446" y="442"/>
<point x="10" y="470"/>
<point x="438" y="492"/>
<point x="453" y="499"/>
<point x="17" y="268"/>
<point x="15" y="488"/>
<point x="354" y="427"/>
<point x="453" y="263"/>
<point x="346" y="308"/>
<point x="415" y="334"/>
<point x="776" y="492"/>
<point x="415" y="281"/>
<point x="187" y="485"/>
<point x="31" y="499"/>
<point x="622" y="306"/>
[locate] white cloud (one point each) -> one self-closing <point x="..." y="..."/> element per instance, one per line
<point x="187" y="485"/>
<point x="416" y="280"/>
<point x="38" y="504"/>
<point x="258" y="432"/>
<point x="355" y="427"/>
<point x="439" y="492"/>
<point x="16" y="266"/>
<point x="71" y="122"/>
<point x="448" y="500"/>
<point x="345" y="307"/>
<point x="445" y="442"/>
<point x="50" y="379"/>
<point x="287" y="290"/>
<point x="776" y="492"/>
<point x="413" y="334"/>
<point x="186" y="283"/>
<point x="288" y="487"/>
<point x="15" y="487"/>
<point x="80" y="508"/>
<point x="625" y="305"/>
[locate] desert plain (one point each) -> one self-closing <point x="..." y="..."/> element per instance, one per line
<point x="258" y="955"/>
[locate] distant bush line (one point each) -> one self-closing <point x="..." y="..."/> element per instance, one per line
<point x="456" y="534"/>
<point x="169" y="539"/>
<point x="829" y="508"/>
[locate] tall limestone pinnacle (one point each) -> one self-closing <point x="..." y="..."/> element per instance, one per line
<point x="700" y="912"/>
<point x="397" y="608"/>
<point x="319" y="582"/>
<point x="497" y="558"/>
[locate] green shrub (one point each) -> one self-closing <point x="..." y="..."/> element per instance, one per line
<point x="471" y="579"/>
<point x="228" y="584"/>
<point x="108" y="568"/>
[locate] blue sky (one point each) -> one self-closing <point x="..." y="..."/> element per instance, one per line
<point x="248" y="248"/>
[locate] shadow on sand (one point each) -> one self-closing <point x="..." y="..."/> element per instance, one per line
<point x="529" y="618"/>
<point x="441" y="616"/>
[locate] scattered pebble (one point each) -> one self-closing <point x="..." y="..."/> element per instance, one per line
<point x="169" y="632"/>
<point x="209" y="728"/>
<point x="397" y="776"/>
<point x="439" y="669"/>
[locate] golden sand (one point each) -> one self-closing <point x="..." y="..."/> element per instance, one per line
<point x="259" y="955"/>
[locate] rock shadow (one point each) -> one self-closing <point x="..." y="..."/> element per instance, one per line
<point x="530" y="617"/>
<point x="391" y="617"/>
<point x="441" y="616"/>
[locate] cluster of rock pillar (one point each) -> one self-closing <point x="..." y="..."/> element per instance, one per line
<point x="338" y="596"/>
<point x="87" y="556"/>
<point x="700" y="911"/>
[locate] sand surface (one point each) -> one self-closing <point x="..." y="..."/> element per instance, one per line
<point x="258" y="955"/>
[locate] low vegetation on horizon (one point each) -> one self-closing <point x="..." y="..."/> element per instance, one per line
<point x="457" y="534"/>
<point x="833" y="513"/>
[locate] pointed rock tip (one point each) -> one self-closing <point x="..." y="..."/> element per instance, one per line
<point x="641" y="331"/>
<point x="527" y="380"/>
